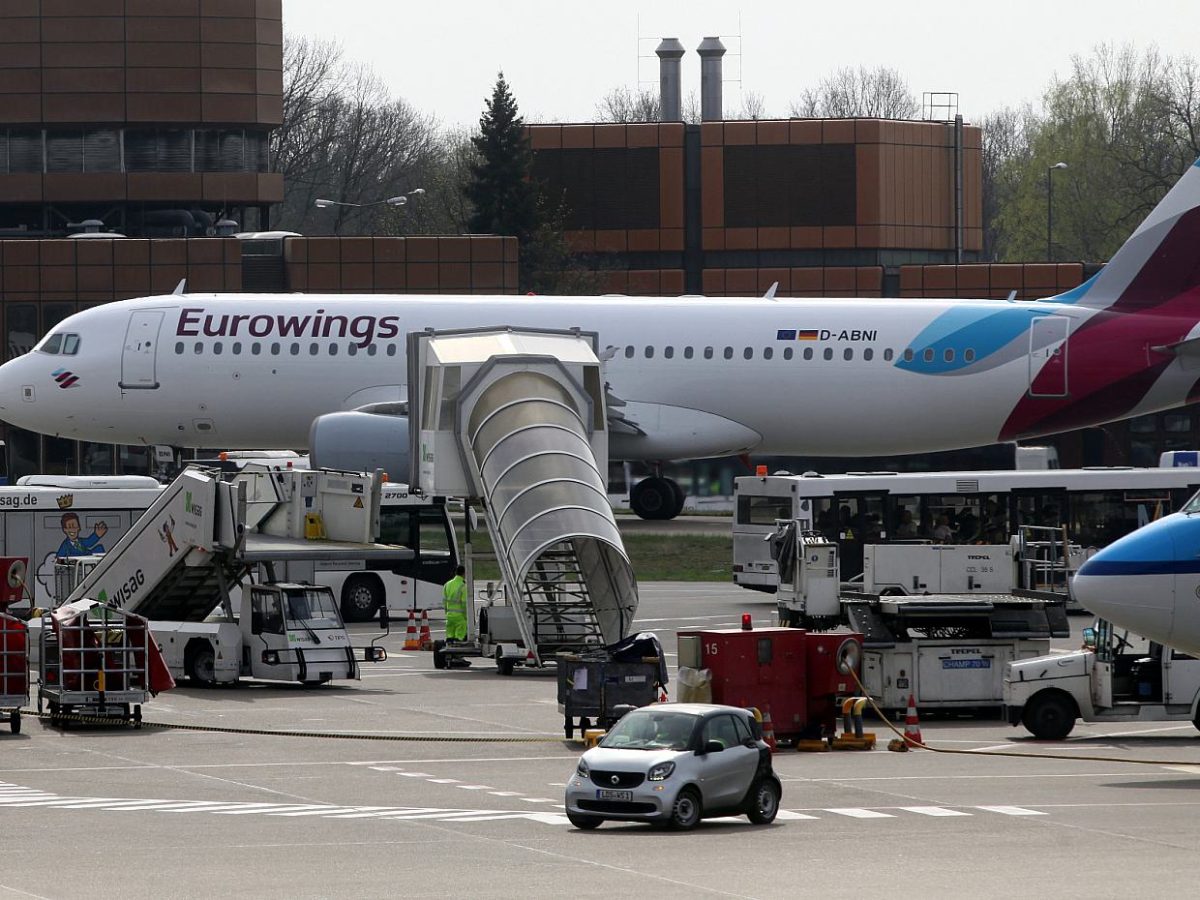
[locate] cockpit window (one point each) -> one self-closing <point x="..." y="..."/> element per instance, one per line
<point x="60" y="343"/>
<point x="1192" y="506"/>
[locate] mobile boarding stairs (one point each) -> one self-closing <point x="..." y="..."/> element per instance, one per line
<point x="516" y="421"/>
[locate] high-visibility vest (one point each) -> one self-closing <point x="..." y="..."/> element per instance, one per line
<point x="454" y="595"/>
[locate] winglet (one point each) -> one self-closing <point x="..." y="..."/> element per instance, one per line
<point x="181" y="287"/>
<point x="770" y="294"/>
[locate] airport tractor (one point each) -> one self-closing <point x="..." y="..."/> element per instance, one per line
<point x="1117" y="676"/>
<point x="185" y="566"/>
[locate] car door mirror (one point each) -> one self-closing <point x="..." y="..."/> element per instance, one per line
<point x="1089" y="638"/>
<point x="712" y="747"/>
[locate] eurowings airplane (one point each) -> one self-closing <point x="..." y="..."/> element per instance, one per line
<point x="688" y="377"/>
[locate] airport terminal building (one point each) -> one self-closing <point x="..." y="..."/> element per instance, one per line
<point x="153" y="119"/>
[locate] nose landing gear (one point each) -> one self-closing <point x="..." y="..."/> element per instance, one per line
<point x="657" y="497"/>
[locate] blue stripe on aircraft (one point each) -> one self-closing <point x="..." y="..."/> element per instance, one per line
<point x="1075" y="294"/>
<point x="1094" y="567"/>
<point x="961" y="328"/>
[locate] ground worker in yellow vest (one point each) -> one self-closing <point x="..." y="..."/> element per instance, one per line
<point x="454" y="599"/>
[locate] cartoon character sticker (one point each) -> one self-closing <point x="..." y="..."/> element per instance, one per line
<point x="168" y="538"/>
<point x="74" y="545"/>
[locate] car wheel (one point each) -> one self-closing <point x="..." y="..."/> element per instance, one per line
<point x="1049" y="716"/>
<point x="686" y="811"/>
<point x="764" y="802"/>
<point x="585" y="823"/>
<point x="361" y="596"/>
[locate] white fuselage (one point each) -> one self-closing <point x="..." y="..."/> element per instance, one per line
<point x="698" y="377"/>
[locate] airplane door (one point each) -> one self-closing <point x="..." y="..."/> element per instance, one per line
<point x="1048" y="356"/>
<point x="141" y="348"/>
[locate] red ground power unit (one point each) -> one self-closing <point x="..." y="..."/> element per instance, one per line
<point x="789" y="671"/>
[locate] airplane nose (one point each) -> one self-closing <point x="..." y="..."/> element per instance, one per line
<point x="17" y="393"/>
<point x="1132" y="582"/>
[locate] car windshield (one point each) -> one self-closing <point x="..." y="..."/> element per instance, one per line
<point x="652" y="730"/>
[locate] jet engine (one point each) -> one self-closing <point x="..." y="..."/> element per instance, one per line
<point x="361" y="442"/>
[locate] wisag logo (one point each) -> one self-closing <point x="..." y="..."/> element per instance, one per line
<point x="191" y="507"/>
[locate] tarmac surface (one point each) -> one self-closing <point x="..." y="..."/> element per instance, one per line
<point x="110" y="812"/>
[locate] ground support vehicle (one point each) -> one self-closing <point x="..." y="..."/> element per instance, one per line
<point x="284" y="632"/>
<point x="675" y="764"/>
<point x="949" y="651"/>
<point x="599" y="687"/>
<point x="97" y="661"/>
<point x="1118" y="676"/>
<point x="14" y="669"/>
<point x="798" y="677"/>
<point x="193" y="550"/>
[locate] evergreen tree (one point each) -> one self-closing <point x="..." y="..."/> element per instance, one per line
<point x="500" y="188"/>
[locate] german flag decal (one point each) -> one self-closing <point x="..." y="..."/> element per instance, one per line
<point x="64" y="378"/>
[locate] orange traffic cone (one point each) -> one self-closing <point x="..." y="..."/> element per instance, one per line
<point x="768" y="729"/>
<point x="912" y="726"/>
<point x="411" y="642"/>
<point x="425" y="641"/>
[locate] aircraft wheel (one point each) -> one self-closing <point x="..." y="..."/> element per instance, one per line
<point x="653" y="498"/>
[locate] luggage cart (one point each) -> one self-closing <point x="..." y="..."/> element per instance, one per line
<point x="593" y="686"/>
<point x="94" y="661"/>
<point x="14" y="669"/>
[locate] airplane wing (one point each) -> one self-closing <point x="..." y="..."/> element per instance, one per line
<point x="1189" y="348"/>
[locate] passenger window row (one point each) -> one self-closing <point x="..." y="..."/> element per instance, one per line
<point x="278" y="348"/>
<point x="847" y="353"/>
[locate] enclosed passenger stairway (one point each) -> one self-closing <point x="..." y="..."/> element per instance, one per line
<point x="516" y="419"/>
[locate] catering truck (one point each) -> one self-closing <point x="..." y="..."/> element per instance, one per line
<point x="1117" y="676"/>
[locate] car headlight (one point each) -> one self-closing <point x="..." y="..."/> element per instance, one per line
<point x="582" y="769"/>
<point x="661" y="772"/>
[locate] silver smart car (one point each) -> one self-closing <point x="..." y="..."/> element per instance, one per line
<point x="676" y="763"/>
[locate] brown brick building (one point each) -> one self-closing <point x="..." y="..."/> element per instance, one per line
<point x="151" y="116"/>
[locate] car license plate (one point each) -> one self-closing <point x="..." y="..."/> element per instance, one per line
<point x="613" y="795"/>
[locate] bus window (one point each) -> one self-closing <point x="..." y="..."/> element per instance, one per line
<point x="396" y="526"/>
<point x="1041" y="509"/>
<point x="759" y="510"/>
<point x="1099" y="517"/>
<point x="904" y="518"/>
<point x="434" y="542"/>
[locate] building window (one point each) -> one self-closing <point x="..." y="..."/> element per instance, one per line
<point x="24" y="150"/>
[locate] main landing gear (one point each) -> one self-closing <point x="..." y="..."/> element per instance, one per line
<point x="657" y="498"/>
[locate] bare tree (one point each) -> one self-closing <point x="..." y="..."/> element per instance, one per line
<point x="849" y="93"/>
<point x="624" y="105"/>
<point x="753" y="106"/>
<point x="346" y="139"/>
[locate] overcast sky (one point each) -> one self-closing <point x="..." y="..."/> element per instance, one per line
<point x="562" y="56"/>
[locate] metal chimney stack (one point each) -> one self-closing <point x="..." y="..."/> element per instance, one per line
<point x="711" y="50"/>
<point x="670" y="86"/>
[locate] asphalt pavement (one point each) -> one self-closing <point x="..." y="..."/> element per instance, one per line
<point x="109" y="812"/>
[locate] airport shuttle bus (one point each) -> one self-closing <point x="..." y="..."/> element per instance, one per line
<point x="44" y="518"/>
<point x="985" y="509"/>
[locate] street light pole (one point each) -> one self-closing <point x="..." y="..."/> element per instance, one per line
<point x="1050" y="208"/>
